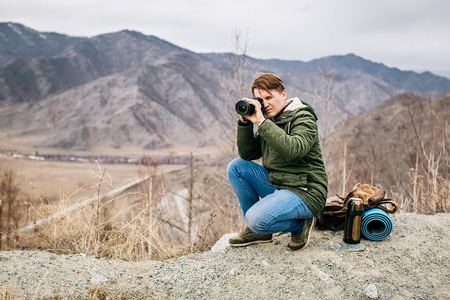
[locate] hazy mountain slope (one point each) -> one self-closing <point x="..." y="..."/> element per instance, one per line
<point x="18" y="41"/>
<point x="32" y="79"/>
<point x="115" y="90"/>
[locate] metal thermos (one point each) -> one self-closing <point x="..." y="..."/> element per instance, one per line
<point x="353" y="217"/>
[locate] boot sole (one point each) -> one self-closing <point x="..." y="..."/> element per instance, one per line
<point x="251" y="243"/>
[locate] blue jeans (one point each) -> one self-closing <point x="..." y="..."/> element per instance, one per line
<point x="266" y="209"/>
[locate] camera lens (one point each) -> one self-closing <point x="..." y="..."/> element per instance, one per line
<point x="242" y="107"/>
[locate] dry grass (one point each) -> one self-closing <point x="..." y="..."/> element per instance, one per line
<point x="429" y="188"/>
<point x="130" y="225"/>
<point x="141" y="222"/>
<point x="427" y="142"/>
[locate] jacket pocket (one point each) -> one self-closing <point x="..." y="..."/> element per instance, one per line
<point x="286" y="179"/>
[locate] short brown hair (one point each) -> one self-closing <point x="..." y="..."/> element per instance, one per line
<point x="268" y="81"/>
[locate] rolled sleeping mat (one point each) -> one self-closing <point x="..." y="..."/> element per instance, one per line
<point x="376" y="224"/>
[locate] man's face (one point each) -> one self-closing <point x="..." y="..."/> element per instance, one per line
<point x="274" y="101"/>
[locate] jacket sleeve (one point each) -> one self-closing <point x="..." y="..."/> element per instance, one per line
<point x="302" y="136"/>
<point x="248" y="144"/>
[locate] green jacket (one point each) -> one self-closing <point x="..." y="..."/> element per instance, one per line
<point x="290" y="151"/>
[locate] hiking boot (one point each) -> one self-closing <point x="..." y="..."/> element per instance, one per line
<point x="248" y="237"/>
<point x="300" y="240"/>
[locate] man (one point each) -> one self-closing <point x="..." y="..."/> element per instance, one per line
<point x="290" y="187"/>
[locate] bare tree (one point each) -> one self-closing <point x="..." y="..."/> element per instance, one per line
<point x="10" y="205"/>
<point x="326" y="75"/>
<point x="235" y="85"/>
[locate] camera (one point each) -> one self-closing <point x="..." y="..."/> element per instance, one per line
<point x="243" y="108"/>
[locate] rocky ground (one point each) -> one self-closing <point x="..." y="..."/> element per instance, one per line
<point x="413" y="263"/>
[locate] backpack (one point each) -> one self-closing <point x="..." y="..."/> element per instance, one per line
<point x="332" y="216"/>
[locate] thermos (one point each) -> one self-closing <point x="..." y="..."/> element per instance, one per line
<point x="353" y="218"/>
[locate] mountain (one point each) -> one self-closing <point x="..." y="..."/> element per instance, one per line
<point x="357" y="84"/>
<point x="129" y="90"/>
<point x="389" y="143"/>
<point x="18" y="41"/>
<point x="116" y="90"/>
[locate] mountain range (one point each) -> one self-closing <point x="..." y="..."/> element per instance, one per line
<point x="127" y="90"/>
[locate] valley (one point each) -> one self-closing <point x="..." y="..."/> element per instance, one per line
<point x="51" y="180"/>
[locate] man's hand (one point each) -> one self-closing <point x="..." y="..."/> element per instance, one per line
<point x="257" y="118"/>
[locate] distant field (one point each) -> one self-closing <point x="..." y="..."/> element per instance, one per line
<point x="52" y="178"/>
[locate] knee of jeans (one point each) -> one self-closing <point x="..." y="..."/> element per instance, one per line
<point x="256" y="222"/>
<point x="231" y="168"/>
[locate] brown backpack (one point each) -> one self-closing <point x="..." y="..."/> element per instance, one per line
<point x="333" y="214"/>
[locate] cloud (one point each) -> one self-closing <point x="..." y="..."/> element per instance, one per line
<point x="408" y="34"/>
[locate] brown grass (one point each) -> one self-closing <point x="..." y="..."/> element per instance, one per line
<point x="128" y="226"/>
<point x="139" y="223"/>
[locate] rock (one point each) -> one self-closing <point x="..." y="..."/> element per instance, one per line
<point x="322" y="275"/>
<point x="371" y="291"/>
<point x="341" y="246"/>
<point x="97" y="278"/>
<point x="222" y="244"/>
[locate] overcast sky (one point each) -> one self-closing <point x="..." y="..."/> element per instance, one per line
<point x="406" y="34"/>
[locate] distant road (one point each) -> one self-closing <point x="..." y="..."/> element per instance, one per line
<point x="169" y="159"/>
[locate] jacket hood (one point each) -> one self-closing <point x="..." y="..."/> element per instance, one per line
<point x="295" y="104"/>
